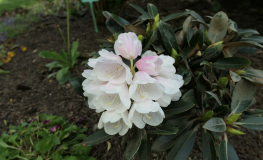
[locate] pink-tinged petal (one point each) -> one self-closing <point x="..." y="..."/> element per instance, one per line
<point x="142" y="77"/>
<point x="167" y="68"/>
<point x="89" y="74"/>
<point x="105" y="54"/>
<point x="150" y="65"/>
<point x="149" y="53"/>
<point x="128" y="45"/>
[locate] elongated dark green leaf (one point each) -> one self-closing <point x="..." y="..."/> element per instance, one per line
<point x="242" y="44"/>
<point x="178" y="107"/>
<point x="243" y="96"/>
<point x="152" y="9"/>
<point x="166" y="37"/>
<point x="196" y="16"/>
<point x="167" y="141"/>
<point x="97" y="138"/>
<point x="112" y="25"/>
<point x="248" y="50"/>
<point x="215" y="125"/>
<point x="74" y="50"/>
<point x="139" y="9"/>
<point x="4" y="72"/>
<point x="208" y="145"/>
<point x="145" y="149"/>
<point x="200" y="91"/>
<point x="196" y="43"/>
<point x="77" y="85"/>
<point x="254" y="123"/>
<point x="63" y="75"/>
<point x="55" y="64"/>
<point x="189" y="96"/>
<point x="231" y="63"/>
<point x="247" y="32"/>
<point x="252" y="113"/>
<point x="133" y="145"/>
<point x="122" y="22"/>
<point x="215" y="97"/>
<point x="250" y="72"/>
<point x="183" y="146"/>
<point x="227" y="151"/>
<point x="221" y="111"/>
<point x="166" y="128"/>
<point x="218" y="27"/>
<point x="51" y="55"/>
<point x="176" y="15"/>
<point x="258" y="39"/>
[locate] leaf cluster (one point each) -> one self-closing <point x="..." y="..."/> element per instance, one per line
<point x="46" y="137"/>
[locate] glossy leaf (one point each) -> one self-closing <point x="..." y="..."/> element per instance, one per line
<point x="196" y="43"/>
<point x="215" y="97"/>
<point x="97" y="138"/>
<point x="227" y="151"/>
<point x="152" y="9"/>
<point x="144" y="151"/>
<point x="250" y="72"/>
<point x="215" y="125"/>
<point x="218" y="27"/>
<point x="120" y="21"/>
<point x="247" y="32"/>
<point x="149" y="41"/>
<point x="196" y="16"/>
<point x="176" y="15"/>
<point x="243" y="96"/>
<point x="258" y="39"/>
<point x="166" y="128"/>
<point x="231" y="63"/>
<point x="200" y="91"/>
<point x="248" y="50"/>
<point x="254" y="123"/>
<point x="189" y="96"/>
<point x="166" y="36"/>
<point x="139" y="9"/>
<point x="133" y="145"/>
<point x="183" y="146"/>
<point x="178" y="107"/>
<point x="77" y="85"/>
<point x="208" y="145"/>
<point x="252" y="113"/>
<point x="235" y="77"/>
<point x="242" y="44"/>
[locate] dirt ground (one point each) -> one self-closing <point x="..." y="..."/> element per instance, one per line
<point x="26" y="90"/>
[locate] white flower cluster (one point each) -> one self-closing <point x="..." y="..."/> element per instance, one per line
<point x="127" y="95"/>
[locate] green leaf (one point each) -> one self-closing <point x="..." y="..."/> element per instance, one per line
<point x="152" y="9"/>
<point x="242" y="44"/>
<point x="44" y="145"/>
<point x="183" y="146"/>
<point x="52" y="74"/>
<point x="163" y="129"/>
<point x="167" y="38"/>
<point x="247" y="32"/>
<point x="56" y="140"/>
<point x="63" y="75"/>
<point x="218" y="27"/>
<point x="231" y="63"/>
<point x="248" y="50"/>
<point x="133" y="145"/>
<point x="152" y="37"/>
<point x="208" y="145"/>
<point x="196" y="16"/>
<point x="215" y="97"/>
<point x="243" y="96"/>
<point x="196" y="43"/>
<point x="43" y="134"/>
<point x="250" y="72"/>
<point x="97" y="138"/>
<point x="252" y="113"/>
<point x="176" y="15"/>
<point x="221" y="111"/>
<point x="77" y="85"/>
<point x="111" y="24"/>
<point x="189" y="96"/>
<point x="178" y="107"/>
<point x="55" y="64"/>
<point x="258" y="39"/>
<point x="51" y="55"/>
<point x="139" y="9"/>
<point x="215" y="125"/>
<point x="227" y="151"/>
<point x="74" y="50"/>
<point x="145" y="149"/>
<point x="200" y="91"/>
<point x="3" y="144"/>
<point x="223" y="81"/>
<point x="71" y="158"/>
<point x="39" y="158"/>
<point x="122" y="22"/>
<point x="254" y="123"/>
<point x="3" y="71"/>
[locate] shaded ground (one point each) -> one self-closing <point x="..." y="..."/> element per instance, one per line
<point x="26" y="90"/>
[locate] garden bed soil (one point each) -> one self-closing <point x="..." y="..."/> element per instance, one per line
<point x="27" y="90"/>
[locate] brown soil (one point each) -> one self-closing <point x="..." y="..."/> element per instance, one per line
<point x="26" y="90"/>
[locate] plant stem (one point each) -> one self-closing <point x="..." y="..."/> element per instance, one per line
<point x="67" y="1"/>
<point x="132" y="68"/>
<point x="63" y="37"/>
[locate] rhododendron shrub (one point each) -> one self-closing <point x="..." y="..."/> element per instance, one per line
<point x="156" y="79"/>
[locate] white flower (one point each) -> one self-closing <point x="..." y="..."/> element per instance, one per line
<point x="128" y="45"/>
<point x="92" y="83"/>
<point x="114" y="71"/>
<point x="150" y="65"/>
<point x="93" y="103"/>
<point x="143" y="86"/>
<point x="114" y="97"/>
<point x="167" y="68"/>
<point x="104" y="55"/>
<point x="114" y="123"/>
<point x="146" y="111"/>
<point x="171" y="89"/>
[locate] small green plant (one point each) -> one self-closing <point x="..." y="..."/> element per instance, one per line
<point x="45" y="137"/>
<point x="65" y="60"/>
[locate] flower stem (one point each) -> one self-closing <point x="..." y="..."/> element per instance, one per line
<point x="132" y="67"/>
<point x="67" y="1"/>
<point x="62" y="35"/>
